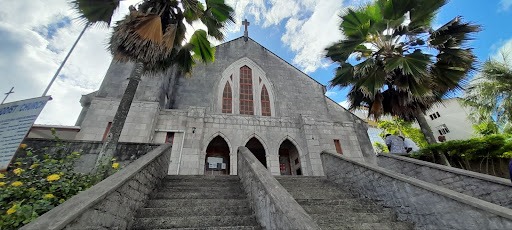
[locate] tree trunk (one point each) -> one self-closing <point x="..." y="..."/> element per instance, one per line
<point x="429" y="136"/>
<point x="109" y="146"/>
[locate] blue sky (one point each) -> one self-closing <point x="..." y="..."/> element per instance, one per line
<point x="36" y="34"/>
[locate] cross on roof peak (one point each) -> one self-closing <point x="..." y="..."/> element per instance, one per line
<point x="246" y="33"/>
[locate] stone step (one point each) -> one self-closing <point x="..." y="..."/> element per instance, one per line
<point x="354" y="208"/>
<point x="199" y="178"/>
<point x="369" y="226"/>
<point x="197" y="183"/>
<point x="353" y="218"/>
<point x="343" y="202"/>
<point x="216" y="228"/>
<point x="216" y="194"/>
<point x="194" y="222"/>
<point x="213" y="203"/>
<point x="235" y="188"/>
<point x="194" y="211"/>
<point x="320" y="194"/>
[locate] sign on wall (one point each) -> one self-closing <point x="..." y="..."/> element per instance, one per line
<point x="16" y="119"/>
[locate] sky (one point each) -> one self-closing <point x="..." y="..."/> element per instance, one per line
<point x="35" y="36"/>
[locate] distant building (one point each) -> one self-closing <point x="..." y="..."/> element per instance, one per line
<point x="448" y="120"/>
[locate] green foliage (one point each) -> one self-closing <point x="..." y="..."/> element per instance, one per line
<point x="491" y="146"/>
<point x="404" y="128"/>
<point x="395" y="62"/>
<point x="381" y="148"/>
<point x="37" y="182"/>
<point x="489" y="94"/>
<point x="486" y="128"/>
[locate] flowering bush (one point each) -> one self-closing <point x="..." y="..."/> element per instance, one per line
<point x="36" y="183"/>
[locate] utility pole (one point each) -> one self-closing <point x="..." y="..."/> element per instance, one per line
<point x="65" y="59"/>
<point x="7" y="94"/>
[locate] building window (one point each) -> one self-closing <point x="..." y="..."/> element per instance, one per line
<point x="109" y="125"/>
<point x="338" y="146"/>
<point x="246" y="100"/>
<point x="434" y="116"/>
<point x="265" y="102"/>
<point x="443" y="129"/>
<point x="169" y="138"/>
<point x="227" y="99"/>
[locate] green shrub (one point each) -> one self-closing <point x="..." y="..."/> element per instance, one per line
<point x="37" y="182"/>
<point x="491" y="146"/>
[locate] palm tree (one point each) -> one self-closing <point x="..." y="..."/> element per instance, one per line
<point x="152" y="36"/>
<point x="394" y="61"/>
<point x="490" y="93"/>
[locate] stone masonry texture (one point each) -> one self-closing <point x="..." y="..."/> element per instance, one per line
<point x="273" y="205"/>
<point x="126" y="152"/>
<point x="492" y="189"/>
<point x="426" y="205"/>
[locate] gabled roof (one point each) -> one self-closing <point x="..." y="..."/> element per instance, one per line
<point x="242" y="37"/>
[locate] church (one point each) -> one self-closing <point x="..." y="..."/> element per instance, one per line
<point x="248" y="97"/>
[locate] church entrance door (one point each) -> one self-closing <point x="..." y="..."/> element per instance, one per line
<point x="289" y="159"/>
<point x="217" y="157"/>
<point x="255" y="146"/>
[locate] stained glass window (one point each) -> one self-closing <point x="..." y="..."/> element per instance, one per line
<point x="265" y="102"/>
<point x="227" y="99"/>
<point x="246" y="100"/>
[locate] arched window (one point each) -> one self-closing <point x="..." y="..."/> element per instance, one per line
<point x="227" y="99"/>
<point x="265" y="102"/>
<point x="246" y="101"/>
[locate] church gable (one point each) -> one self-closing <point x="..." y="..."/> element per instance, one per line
<point x="290" y="91"/>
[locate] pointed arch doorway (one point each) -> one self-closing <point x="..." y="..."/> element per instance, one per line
<point x="255" y="146"/>
<point x="289" y="159"/>
<point x="217" y="157"/>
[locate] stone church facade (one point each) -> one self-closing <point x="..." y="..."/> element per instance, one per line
<point x="247" y="97"/>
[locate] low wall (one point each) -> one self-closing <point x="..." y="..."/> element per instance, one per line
<point x="126" y="152"/>
<point x="489" y="188"/>
<point x="112" y="203"/>
<point x="275" y="208"/>
<point x="426" y="205"/>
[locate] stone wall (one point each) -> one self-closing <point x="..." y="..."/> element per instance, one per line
<point x="274" y="207"/>
<point x="426" y="205"/>
<point x="195" y="128"/>
<point x="126" y="152"/>
<point x="489" y="188"/>
<point x="112" y="203"/>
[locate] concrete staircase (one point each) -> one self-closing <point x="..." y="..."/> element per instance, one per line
<point x="337" y="208"/>
<point x="199" y="203"/>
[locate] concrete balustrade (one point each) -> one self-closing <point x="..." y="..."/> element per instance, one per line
<point x="275" y="208"/>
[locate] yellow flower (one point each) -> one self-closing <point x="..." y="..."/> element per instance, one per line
<point x="11" y="210"/>
<point x="32" y="189"/>
<point x="23" y="146"/>
<point x="18" y="171"/>
<point x="34" y="166"/>
<point x="115" y="165"/>
<point x="2" y="176"/>
<point x="61" y="173"/>
<point x="61" y="201"/>
<point x="53" y="177"/>
<point x="17" y="183"/>
<point x="49" y="196"/>
<point x="2" y="184"/>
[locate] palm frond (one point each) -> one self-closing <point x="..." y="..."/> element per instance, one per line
<point x="96" y="11"/>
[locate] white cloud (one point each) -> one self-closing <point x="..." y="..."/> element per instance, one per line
<point x="331" y="93"/>
<point x="344" y="103"/>
<point x="505" y="4"/>
<point x="34" y="45"/>
<point x="504" y="52"/>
